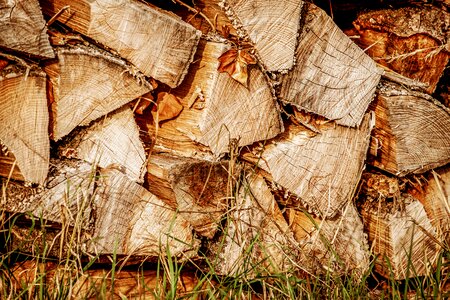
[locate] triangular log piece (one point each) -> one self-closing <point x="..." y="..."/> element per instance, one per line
<point x="411" y="133"/>
<point x="271" y="25"/>
<point x="401" y="236"/>
<point x="256" y="238"/>
<point x="338" y="245"/>
<point x="88" y="83"/>
<point x="412" y="41"/>
<point x="322" y="170"/>
<point x="332" y="77"/>
<point x="158" y="43"/>
<point x="24" y="120"/>
<point x="218" y="112"/>
<point x="8" y="165"/>
<point x="23" y="28"/>
<point x="434" y="194"/>
<point x="113" y="139"/>
<point x="132" y="221"/>
<point x="197" y="189"/>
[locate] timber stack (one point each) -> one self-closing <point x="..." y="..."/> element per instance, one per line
<point x="262" y="133"/>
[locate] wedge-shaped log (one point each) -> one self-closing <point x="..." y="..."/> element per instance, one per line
<point x="271" y="25"/>
<point x="338" y="245"/>
<point x="197" y="189"/>
<point x="24" y="121"/>
<point x="322" y="170"/>
<point x="333" y="77"/>
<point x="412" y="41"/>
<point x="401" y="236"/>
<point x="23" y="28"/>
<point x="88" y="83"/>
<point x="131" y="220"/>
<point x="114" y="140"/>
<point x="257" y="238"/>
<point x="411" y="133"/>
<point x="159" y="44"/>
<point x="218" y="111"/>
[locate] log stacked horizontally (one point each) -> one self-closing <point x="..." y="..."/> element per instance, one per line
<point x="268" y="175"/>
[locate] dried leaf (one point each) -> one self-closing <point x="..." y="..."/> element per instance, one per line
<point x="167" y="107"/>
<point x="235" y="62"/>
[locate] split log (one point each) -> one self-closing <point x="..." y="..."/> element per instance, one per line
<point x="412" y="41"/>
<point x="333" y="77"/>
<point x="338" y="245"/>
<point x="24" y="122"/>
<point x="401" y="235"/>
<point x="112" y="140"/>
<point x="256" y="239"/>
<point x="86" y="84"/>
<point x="411" y="131"/>
<point x="272" y="26"/>
<point x="218" y="111"/>
<point x="196" y="189"/>
<point x="8" y="165"/>
<point x="23" y="28"/>
<point x="159" y="44"/>
<point x="322" y="170"/>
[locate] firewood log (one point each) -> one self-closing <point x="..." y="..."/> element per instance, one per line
<point x="87" y="83"/>
<point x="158" y="43"/>
<point x="24" y="123"/>
<point x="23" y="28"/>
<point x="332" y="77"/>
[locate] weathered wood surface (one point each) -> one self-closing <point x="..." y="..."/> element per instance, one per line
<point x="112" y="140"/>
<point x="257" y="239"/>
<point x="23" y="28"/>
<point x="411" y="132"/>
<point x="86" y="84"/>
<point x="24" y="121"/>
<point x="338" y="245"/>
<point x="8" y="165"/>
<point x="333" y="77"/>
<point x="271" y="25"/>
<point x="218" y="111"/>
<point x="196" y="189"/>
<point x="322" y="170"/>
<point x="413" y="41"/>
<point x="158" y="43"/>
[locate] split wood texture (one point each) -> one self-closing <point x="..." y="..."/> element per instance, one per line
<point x="260" y="186"/>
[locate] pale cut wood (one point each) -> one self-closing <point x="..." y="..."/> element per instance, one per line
<point x="256" y="238"/>
<point x="218" y="111"/>
<point x="402" y="236"/>
<point x="197" y="189"/>
<point x="338" y="245"/>
<point x="411" y="40"/>
<point x="23" y="28"/>
<point x="322" y="170"/>
<point x="88" y="83"/>
<point x="333" y="77"/>
<point x="271" y="25"/>
<point x="112" y="140"/>
<point x="132" y="221"/>
<point x="411" y="132"/>
<point x="24" y="120"/>
<point x="158" y="43"/>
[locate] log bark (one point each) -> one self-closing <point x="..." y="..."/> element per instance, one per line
<point x="86" y="84"/>
<point x="218" y="111"/>
<point x="271" y="26"/>
<point x="333" y="77"/>
<point x="411" y="131"/>
<point x="196" y="189"/>
<point x="112" y="140"/>
<point x="158" y="43"/>
<point x="24" y="122"/>
<point x="23" y="28"/>
<point x="412" y="41"/>
<point x="321" y="170"/>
